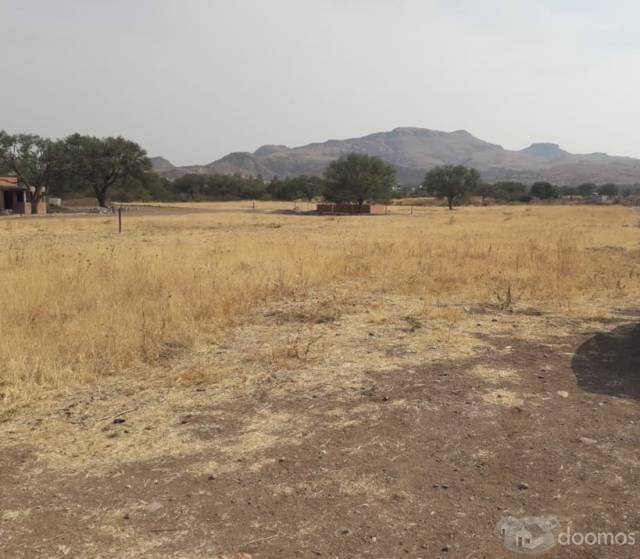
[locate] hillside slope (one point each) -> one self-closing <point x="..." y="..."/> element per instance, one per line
<point x="413" y="151"/>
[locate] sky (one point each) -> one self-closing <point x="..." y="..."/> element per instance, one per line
<point x="193" y="80"/>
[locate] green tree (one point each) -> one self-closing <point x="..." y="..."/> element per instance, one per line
<point x="452" y="182"/>
<point x="587" y="189"/>
<point x="104" y="163"/>
<point x="544" y="191"/>
<point x="511" y="191"/>
<point x="191" y="187"/>
<point x="149" y="186"/>
<point x="485" y="190"/>
<point x="283" y="189"/>
<point x="359" y="178"/>
<point x="310" y="186"/>
<point x="36" y="162"/>
<point x="608" y="190"/>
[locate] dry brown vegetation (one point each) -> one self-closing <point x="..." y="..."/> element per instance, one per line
<point x="80" y="302"/>
<point x="218" y="381"/>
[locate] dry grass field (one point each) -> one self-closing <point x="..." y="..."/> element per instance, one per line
<point x="218" y="379"/>
<point x="81" y="302"/>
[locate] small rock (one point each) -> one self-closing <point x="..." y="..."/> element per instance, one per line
<point x="523" y="486"/>
<point x="155" y="506"/>
<point x="281" y="459"/>
<point x="563" y="394"/>
<point x="119" y="420"/>
<point x="587" y="440"/>
<point x="211" y="477"/>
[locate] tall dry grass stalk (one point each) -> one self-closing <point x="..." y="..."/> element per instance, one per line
<point x="80" y="302"/>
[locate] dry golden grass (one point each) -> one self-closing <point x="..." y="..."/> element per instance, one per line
<point x="80" y="302"/>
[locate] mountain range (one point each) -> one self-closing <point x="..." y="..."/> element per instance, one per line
<point x="413" y="151"/>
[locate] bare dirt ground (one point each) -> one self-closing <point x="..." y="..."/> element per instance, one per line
<point x="361" y="433"/>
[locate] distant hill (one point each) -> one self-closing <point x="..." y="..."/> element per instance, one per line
<point x="413" y="151"/>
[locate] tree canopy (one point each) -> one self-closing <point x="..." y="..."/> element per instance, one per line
<point x="103" y="163"/>
<point x="544" y="191"/>
<point x="359" y="178"/>
<point x="36" y="162"/>
<point x="452" y="182"/>
<point x="608" y="190"/>
<point x="587" y="189"/>
<point x="304" y="186"/>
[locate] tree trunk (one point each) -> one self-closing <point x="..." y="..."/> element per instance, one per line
<point x="101" y="196"/>
<point x="36" y="197"/>
<point x="450" y="203"/>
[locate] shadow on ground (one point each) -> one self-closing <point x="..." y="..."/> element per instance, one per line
<point x="609" y="363"/>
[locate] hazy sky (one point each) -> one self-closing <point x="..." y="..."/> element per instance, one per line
<point x="195" y="79"/>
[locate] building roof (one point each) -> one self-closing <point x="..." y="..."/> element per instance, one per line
<point x="11" y="182"/>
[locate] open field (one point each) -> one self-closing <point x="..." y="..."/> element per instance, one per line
<point x="228" y="380"/>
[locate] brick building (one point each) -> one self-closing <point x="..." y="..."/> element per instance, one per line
<point x="15" y="198"/>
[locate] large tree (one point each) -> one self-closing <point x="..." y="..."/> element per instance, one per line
<point x="359" y="178"/>
<point x="544" y="191"/>
<point x="485" y="190"/>
<point x="452" y="182"/>
<point x="104" y="163"/>
<point x="511" y="191"/>
<point x="587" y="189"/>
<point x="310" y="186"/>
<point x="36" y="162"/>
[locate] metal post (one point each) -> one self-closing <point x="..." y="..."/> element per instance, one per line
<point x="119" y="220"/>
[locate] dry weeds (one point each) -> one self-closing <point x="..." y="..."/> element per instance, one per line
<point x="80" y="302"/>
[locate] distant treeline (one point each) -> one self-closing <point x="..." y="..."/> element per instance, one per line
<point x="517" y="192"/>
<point x="235" y="187"/>
<point x="221" y="187"/>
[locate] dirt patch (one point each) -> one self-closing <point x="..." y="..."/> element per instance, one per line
<point x="396" y="443"/>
